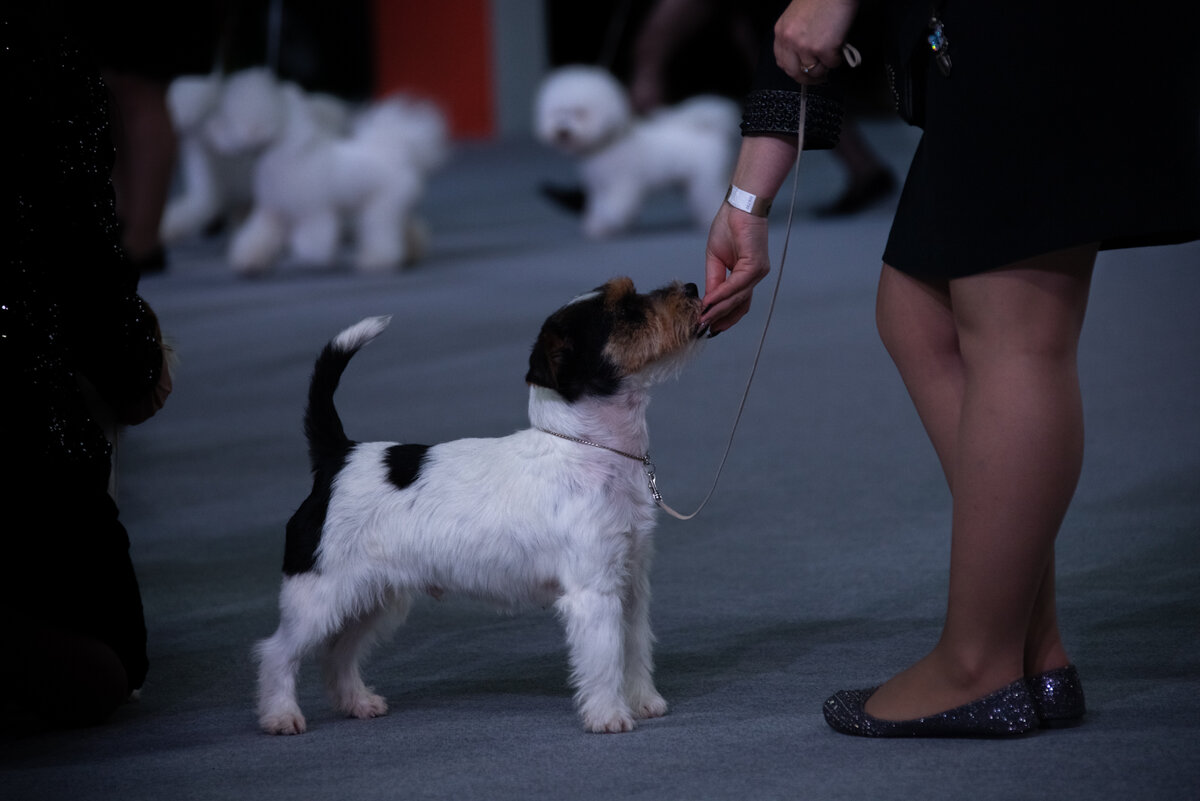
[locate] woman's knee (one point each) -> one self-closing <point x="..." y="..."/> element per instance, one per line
<point x="913" y="318"/>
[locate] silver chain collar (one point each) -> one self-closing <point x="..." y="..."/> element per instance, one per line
<point x="647" y="465"/>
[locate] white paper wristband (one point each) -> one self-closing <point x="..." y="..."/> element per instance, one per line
<point x="745" y="201"/>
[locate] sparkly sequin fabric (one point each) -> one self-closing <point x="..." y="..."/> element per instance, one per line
<point x="777" y="111"/>
<point x="70" y="315"/>
<point x="68" y="302"/>
<point x="1058" y="697"/>
<point x="1007" y="712"/>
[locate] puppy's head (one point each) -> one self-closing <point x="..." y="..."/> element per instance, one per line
<point x="612" y="335"/>
<point x="580" y="109"/>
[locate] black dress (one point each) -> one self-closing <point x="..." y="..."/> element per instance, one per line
<point x="1060" y="123"/>
<point x="69" y="314"/>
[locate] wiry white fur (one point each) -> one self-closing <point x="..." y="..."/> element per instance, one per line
<point x="585" y="112"/>
<point x="526" y="519"/>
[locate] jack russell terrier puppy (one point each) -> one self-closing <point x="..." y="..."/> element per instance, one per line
<point x="557" y="514"/>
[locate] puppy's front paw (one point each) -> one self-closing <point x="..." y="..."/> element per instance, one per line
<point x="649" y="706"/>
<point x="291" y="722"/>
<point x="367" y="706"/>
<point x="610" y="724"/>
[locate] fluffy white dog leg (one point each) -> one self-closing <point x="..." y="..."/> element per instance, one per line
<point x="310" y="610"/>
<point x="643" y="699"/>
<point x="257" y="243"/>
<point x="314" y="237"/>
<point x="594" y="639"/>
<point x="706" y="192"/>
<point x="347" y="649"/>
<point x="198" y="205"/>
<point x="611" y="209"/>
<point x="279" y="662"/>
<point x="380" y="231"/>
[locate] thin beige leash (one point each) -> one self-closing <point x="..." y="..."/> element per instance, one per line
<point x="649" y="465"/>
<point x="853" y="59"/>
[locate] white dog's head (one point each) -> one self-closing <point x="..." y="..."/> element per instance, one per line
<point x="416" y="129"/>
<point x="191" y="99"/>
<point x="250" y="114"/>
<point x="581" y="109"/>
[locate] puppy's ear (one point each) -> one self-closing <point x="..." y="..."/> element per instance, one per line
<point x="546" y="360"/>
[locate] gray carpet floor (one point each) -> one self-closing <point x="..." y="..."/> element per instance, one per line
<point x="820" y="563"/>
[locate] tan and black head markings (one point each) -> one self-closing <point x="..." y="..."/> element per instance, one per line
<point x="588" y="346"/>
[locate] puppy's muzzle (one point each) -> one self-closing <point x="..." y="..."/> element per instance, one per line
<point x="691" y="291"/>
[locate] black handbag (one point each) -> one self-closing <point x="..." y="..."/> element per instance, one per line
<point x="908" y="66"/>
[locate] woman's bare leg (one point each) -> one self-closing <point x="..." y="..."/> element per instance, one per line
<point x="1012" y="462"/>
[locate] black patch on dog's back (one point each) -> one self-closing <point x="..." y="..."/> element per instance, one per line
<point x="403" y="463"/>
<point x="305" y="526"/>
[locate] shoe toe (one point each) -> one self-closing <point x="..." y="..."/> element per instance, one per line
<point x="844" y="712"/>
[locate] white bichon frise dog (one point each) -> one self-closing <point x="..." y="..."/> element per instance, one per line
<point x="585" y="112"/>
<point x="311" y="181"/>
<point x="224" y="124"/>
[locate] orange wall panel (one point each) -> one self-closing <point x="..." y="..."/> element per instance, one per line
<point x="440" y="50"/>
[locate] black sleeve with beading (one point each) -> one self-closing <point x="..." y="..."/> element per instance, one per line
<point x="773" y="104"/>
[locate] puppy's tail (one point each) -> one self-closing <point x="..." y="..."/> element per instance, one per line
<point x="327" y="439"/>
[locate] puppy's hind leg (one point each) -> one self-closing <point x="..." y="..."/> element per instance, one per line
<point x="305" y="620"/>
<point x="347" y="649"/>
<point x="594" y="638"/>
<point x="279" y="659"/>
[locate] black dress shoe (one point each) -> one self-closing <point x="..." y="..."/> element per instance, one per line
<point x="567" y="198"/>
<point x="1058" y="697"/>
<point x="1005" y="713"/>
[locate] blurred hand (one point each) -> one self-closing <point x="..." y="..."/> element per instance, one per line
<point x="148" y="405"/>
<point x="809" y="36"/>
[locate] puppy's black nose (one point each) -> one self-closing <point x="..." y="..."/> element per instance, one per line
<point x="691" y="290"/>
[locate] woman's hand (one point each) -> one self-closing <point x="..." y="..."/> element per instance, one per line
<point x="735" y="261"/>
<point x="146" y="406"/>
<point x="809" y="36"/>
<point x="736" y="257"/>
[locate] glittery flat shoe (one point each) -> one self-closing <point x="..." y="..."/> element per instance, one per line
<point x="1057" y="697"/>
<point x="1007" y="712"/>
